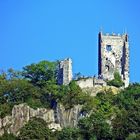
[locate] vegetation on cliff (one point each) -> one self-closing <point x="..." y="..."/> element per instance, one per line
<point x="117" y="81"/>
<point x="105" y="116"/>
<point x="36" y="85"/>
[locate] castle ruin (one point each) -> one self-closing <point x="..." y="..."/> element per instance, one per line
<point x="113" y="56"/>
<point x="65" y="72"/>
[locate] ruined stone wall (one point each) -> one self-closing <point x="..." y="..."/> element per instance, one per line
<point x="90" y="82"/>
<point x="65" y="72"/>
<point x="113" y="56"/>
<point x="85" y="82"/>
<point x="99" y="81"/>
<point x="126" y="64"/>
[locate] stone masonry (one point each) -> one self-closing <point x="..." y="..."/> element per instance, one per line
<point x="65" y="72"/>
<point x="113" y="56"/>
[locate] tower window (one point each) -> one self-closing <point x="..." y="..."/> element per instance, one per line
<point x="107" y="67"/>
<point x="108" y="48"/>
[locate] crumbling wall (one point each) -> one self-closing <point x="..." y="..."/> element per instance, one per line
<point x="85" y="82"/>
<point x="65" y="72"/>
<point x="114" y="56"/>
<point x="90" y="82"/>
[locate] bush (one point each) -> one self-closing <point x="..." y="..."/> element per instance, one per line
<point x="35" y="129"/>
<point x="117" y="81"/>
<point x="5" y="109"/>
<point x="7" y="136"/>
<point x="71" y="95"/>
<point x="69" y="134"/>
<point x="133" y="136"/>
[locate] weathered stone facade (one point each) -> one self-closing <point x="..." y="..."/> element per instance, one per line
<point x="65" y="72"/>
<point x="113" y="56"/>
<point x="90" y="82"/>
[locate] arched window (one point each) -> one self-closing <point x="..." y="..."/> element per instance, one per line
<point x="107" y="67"/>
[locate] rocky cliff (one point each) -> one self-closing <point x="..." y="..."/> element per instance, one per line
<point x="56" y="119"/>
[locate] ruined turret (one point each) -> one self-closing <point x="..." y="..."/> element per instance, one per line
<point x="113" y="56"/>
<point x="65" y="72"/>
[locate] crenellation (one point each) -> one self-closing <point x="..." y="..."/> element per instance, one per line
<point x="113" y="55"/>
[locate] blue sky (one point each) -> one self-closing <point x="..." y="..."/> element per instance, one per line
<point x="35" y="30"/>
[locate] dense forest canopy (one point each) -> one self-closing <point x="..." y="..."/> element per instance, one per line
<point x="108" y="116"/>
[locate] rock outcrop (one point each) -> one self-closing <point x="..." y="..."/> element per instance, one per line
<point x="68" y="117"/>
<point x="56" y="119"/>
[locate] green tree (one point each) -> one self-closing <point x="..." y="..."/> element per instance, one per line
<point x="126" y="122"/>
<point x="50" y="95"/>
<point x="35" y="129"/>
<point x="15" y="91"/>
<point x="127" y="118"/>
<point x="40" y="73"/>
<point x="12" y="74"/>
<point x="69" y="134"/>
<point x="7" y="136"/>
<point x="71" y="95"/>
<point x="95" y="126"/>
<point x="133" y="136"/>
<point x="117" y="81"/>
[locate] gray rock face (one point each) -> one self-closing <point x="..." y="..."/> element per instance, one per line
<point x="56" y="119"/>
<point x="68" y="117"/>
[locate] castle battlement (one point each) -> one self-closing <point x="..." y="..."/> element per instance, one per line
<point x="113" y="56"/>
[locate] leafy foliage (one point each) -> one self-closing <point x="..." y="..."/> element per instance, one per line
<point x="7" y="136"/>
<point x="117" y="81"/>
<point x="95" y="126"/>
<point x="113" y="116"/>
<point x="35" y="129"/>
<point x="69" y="134"/>
<point x="71" y="95"/>
<point x="133" y="136"/>
<point x="105" y="116"/>
<point x="40" y="73"/>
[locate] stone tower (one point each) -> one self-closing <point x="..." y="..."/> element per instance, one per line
<point x="65" y="72"/>
<point x="113" y="56"/>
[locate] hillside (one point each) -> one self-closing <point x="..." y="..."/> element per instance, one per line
<point x="34" y="106"/>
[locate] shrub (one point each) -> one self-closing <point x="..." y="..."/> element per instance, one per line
<point x="35" y="129"/>
<point x="117" y="81"/>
